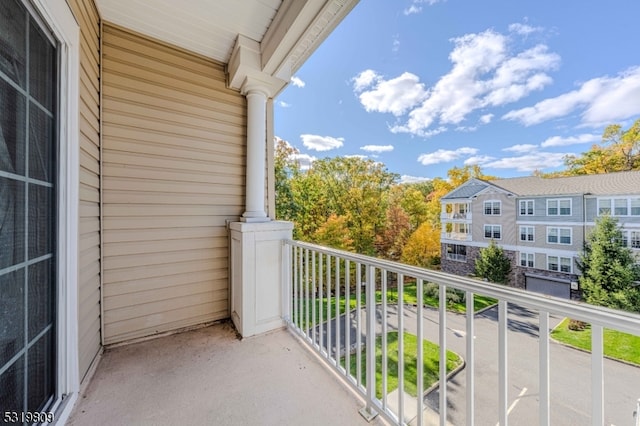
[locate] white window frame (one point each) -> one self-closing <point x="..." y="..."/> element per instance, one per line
<point x="484" y="229"/>
<point x="492" y="203"/>
<point x="529" y="260"/>
<point x="526" y="208"/>
<point x="57" y="15"/>
<point x="601" y="206"/>
<point x="526" y="228"/>
<point x="559" y="264"/>
<point x="634" y="239"/>
<point x="616" y="206"/>
<point x="558" y="232"/>
<point x="630" y="204"/>
<point x="558" y="202"/>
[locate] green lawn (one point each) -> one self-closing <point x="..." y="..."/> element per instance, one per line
<point x="617" y="345"/>
<point x="431" y="363"/>
<point x="410" y="297"/>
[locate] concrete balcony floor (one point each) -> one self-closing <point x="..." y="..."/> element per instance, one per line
<point x="210" y="377"/>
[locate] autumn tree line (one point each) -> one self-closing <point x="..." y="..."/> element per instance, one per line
<point x="358" y="205"/>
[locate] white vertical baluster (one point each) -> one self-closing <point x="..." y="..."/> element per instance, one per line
<point x="347" y="319"/>
<point x="442" y="338"/>
<point x="314" y="298"/>
<point x="358" y="324"/>
<point x="597" y="375"/>
<point x="337" y="320"/>
<point x="370" y="344"/>
<point x="307" y="300"/>
<point x="400" y="288"/>
<point x="502" y="361"/>
<point x="385" y="371"/>
<point x="470" y="366"/>
<point x="420" y="356"/>
<point x="329" y="321"/>
<point x="545" y="414"/>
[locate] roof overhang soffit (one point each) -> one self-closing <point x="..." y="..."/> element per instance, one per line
<point x="299" y="27"/>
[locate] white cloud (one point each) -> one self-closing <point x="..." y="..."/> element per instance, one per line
<point x="356" y="156"/>
<point x="445" y="156"/>
<point x="524" y="29"/>
<point x="296" y="81"/>
<point x="304" y="160"/>
<point x="363" y="80"/>
<point x="321" y="143"/>
<point x="377" y="148"/>
<point x="486" y="119"/>
<point x="525" y="147"/>
<point x="413" y="179"/>
<point x="396" y="95"/>
<point x="485" y="72"/>
<point x="571" y="140"/>
<point x="478" y="159"/>
<point x="529" y="162"/>
<point x="602" y="100"/>
<point x="283" y="104"/>
<point x="415" y="8"/>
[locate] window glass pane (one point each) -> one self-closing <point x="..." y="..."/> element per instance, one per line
<point x="552" y="207"/>
<point x="487" y="232"/>
<point x="12" y="129"/>
<point x="11" y="315"/>
<point x="11" y="222"/>
<point x="41" y="296"/>
<point x="552" y="235"/>
<point x="604" y="206"/>
<point x="565" y="207"/>
<point x="41" y="226"/>
<point x="41" y="372"/>
<point x="635" y="206"/>
<point x="13" y="42"/>
<point x="41" y="68"/>
<point x="620" y="207"/>
<point x="635" y="239"/>
<point x="565" y="236"/>
<point x="12" y="389"/>
<point x="41" y="157"/>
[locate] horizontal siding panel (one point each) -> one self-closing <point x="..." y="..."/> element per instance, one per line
<point x="142" y="173"/>
<point x="124" y="184"/>
<point x="197" y="289"/>
<point x="164" y="222"/>
<point x="216" y="277"/>
<point x="163" y="308"/>
<point x="122" y="236"/>
<point x="130" y="197"/>
<point x="142" y="247"/>
<point x="149" y="211"/>
<point x="89" y="194"/>
<point x="177" y="319"/>
<point x="150" y="259"/>
<point x="169" y="163"/>
<point x="89" y="163"/>
<point x="128" y="276"/>
<point x="136" y="141"/>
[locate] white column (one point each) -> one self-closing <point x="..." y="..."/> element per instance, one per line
<point x="256" y="153"/>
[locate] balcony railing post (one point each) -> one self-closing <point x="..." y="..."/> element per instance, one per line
<point x="543" y="341"/>
<point x="502" y="362"/>
<point x="286" y="282"/>
<point x="470" y="365"/>
<point x="597" y="375"/>
<point x="368" y="412"/>
<point x="442" y="334"/>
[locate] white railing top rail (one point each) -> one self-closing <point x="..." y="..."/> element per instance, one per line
<point x="618" y="320"/>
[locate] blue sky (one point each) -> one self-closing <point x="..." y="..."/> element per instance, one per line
<point x="426" y="85"/>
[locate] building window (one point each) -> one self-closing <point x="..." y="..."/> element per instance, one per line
<point x="527" y="260"/>
<point x="635" y="207"/>
<point x="526" y="233"/>
<point x="493" y="231"/>
<point x="492" y="208"/>
<point x="526" y="208"/>
<point x="620" y="207"/>
<point x="604" y="206"/>
<point x="561" y="264"/>
<point x="559" y="235"/>
<point x="457" y="252"/>
<point x="559" y="207"/>
<point x="635" y="239"/>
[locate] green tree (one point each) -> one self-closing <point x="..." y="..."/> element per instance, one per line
<point x="423" y="247"/>
<point x="493" y="264"/>
<point x="334" y="233"/>
<point x="618" y="151"/>
<point x="608" y="268"/>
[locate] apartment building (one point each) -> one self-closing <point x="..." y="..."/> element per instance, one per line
<point x="541" y="223"/>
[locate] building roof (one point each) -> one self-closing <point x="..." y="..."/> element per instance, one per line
<point x="467" y="190"/>
<point x="620" y="183"/>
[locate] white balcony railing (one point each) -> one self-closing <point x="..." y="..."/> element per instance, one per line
<point x="457" y="236"/>
<point x="319" y="281"/>
<point x="456" y="216"/>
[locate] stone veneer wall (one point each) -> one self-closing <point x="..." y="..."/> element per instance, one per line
<point x="468" y="268"/>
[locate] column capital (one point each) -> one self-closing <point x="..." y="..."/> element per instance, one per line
<point x="245" y="71"/>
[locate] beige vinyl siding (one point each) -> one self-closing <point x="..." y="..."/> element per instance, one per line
<point x="88" y="19"/>
<point x="506" y="218"/>
<point x="173" y="173"/>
